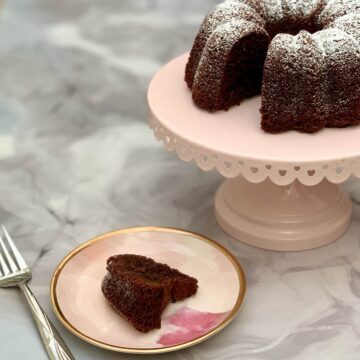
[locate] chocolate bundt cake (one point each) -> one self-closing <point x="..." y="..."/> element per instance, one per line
<point x="302" y="56"/>
<point x="140" y="289"/>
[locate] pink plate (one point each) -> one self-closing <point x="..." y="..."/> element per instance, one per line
<point x="79" y="304"/>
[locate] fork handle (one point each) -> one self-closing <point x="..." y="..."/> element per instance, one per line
<point x="53" y="343"/>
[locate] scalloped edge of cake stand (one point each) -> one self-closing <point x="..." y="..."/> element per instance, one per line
<point x="282" y="174"/>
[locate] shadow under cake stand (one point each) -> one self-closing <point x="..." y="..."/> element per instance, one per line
<point x="281" y="192"/>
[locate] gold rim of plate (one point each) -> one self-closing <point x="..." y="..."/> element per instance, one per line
<point x="75" y="331"/>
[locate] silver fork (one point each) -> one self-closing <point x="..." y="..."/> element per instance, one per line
<point x="15" y="272"/>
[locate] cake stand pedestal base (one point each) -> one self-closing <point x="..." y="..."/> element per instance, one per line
<point x="284" y="218"/>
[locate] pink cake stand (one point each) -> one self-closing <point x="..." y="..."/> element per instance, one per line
<point x="281" y="192"/>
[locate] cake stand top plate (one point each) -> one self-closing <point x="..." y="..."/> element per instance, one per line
<point x="233" y="142"/>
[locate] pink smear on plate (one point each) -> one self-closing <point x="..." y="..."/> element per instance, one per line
<point x="190" y="324"/>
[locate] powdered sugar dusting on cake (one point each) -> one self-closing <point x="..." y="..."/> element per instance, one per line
<point x="214" y="57"/>
<point x="350" y="24"/>
<point x="321" y="47"/>
<point x="334" y="40"/>
<point x="284" y="41"/>
<point x="303" y="8"/>
<point x="226" y="30"/>
<point x="228" y="11"/>
<point x="274" y="10"/>
<point x="298" y="81"/>
<point x="342" y="54"/>
<point x="223" y="39"/>
<point x="338" y="40"/>
<point x="223" y="13"/>
<point x="330" y="43"/>
<point x="330" y="47"/>
<point x="337" y="8"/>
<point x="229" y="32"/>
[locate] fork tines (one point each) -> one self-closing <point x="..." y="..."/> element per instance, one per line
<point x="11" y="260"/>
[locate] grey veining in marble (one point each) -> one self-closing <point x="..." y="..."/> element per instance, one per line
<point x="78" y="159"/>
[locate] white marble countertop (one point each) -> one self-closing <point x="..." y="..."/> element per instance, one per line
<point x="77" y="159"/>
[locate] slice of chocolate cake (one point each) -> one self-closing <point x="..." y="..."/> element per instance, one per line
<point x="140" y="289"/>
